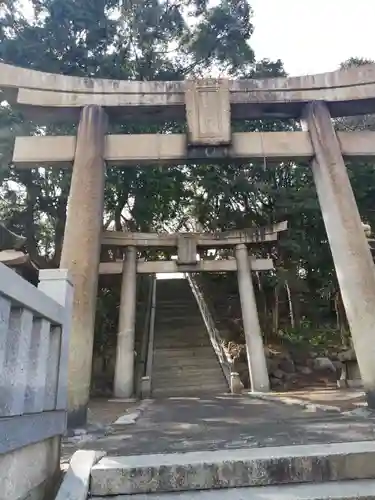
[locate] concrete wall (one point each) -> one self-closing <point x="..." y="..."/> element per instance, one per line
<point x="30" y="472"/>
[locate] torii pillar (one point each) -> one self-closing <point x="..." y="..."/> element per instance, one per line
<point x="350" y="249"/>
<point x="81" y="253"/>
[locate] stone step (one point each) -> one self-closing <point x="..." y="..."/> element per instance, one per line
<point x="182" y="335"/>
<point x="188" y="392"/>
<point x="177" y="295"/>
<point x="177" y="322"/>
<point x="179" y="312"/>
<point x="186" y="353"/>
<point x="182" y="391"/>
<point x="160" y="374"/>
<point x="162" y="473"/>
<point x="187" y="368"/>
<point x="160" y="369"/>
<point x="179" y="318"/>
<point x="190" y="333"/>
<point x="183" y="338"/>
<point x="197" y="378"/>
<point x="363" y="489"/>
<point x="177" y="303"/>
<point x="175" y="343"/>
<point x="180" y="344"/>
<point x="181" y="328"/>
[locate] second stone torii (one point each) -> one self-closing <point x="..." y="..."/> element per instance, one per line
<point x="187" y="261"/>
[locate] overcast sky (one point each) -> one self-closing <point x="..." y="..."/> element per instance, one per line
<point x="312" y="36"/>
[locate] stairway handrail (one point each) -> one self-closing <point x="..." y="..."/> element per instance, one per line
<point x="225" y="359"/>
<point x="151" y="333"/>
<point x="142" y="369"/>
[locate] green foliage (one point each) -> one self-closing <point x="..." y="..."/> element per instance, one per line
<point x="170" y="40"/>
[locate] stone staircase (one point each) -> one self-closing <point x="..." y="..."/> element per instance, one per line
<point x="184" y="361"/>
<point x="339" y="471"/>
<point x="186" y="365"/>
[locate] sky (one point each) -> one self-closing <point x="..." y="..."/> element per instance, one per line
<point x="313" y="36"/>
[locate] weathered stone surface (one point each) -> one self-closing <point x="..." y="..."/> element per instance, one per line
<point x="170" y="149"/>
<point x="324" y="364"/>
<point x="333" y="490"/>
<point x="184" y="361"/>
<point x="187" y="249"/>
<point x="27" y="472"/>
<point x="247" y="97"/>
<point x="124" y="369"/>
<point x="222" y="239"/>
<point x="236" y="386"/>
<point x="81" y="252"/>
<point x="208" y="112"/>
<point x="350" y="250"/>
<point x="236" y="468"/>
<point x="278" y="374"/>
<point x="254" y="341"/>
<point x="23" y="430"/>
<point x="75" y="485"/>
<point x="13" y="372"/>
<point x="348" y="355"/>
<point x="305" y="370"/>
<point x="171" y="266"/>
<point x="56" y="283"/>
<point x="37" y="369"/>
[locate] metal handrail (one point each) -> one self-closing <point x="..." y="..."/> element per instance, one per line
<point x="142" y="367"/>
<point x="225" y="359"/>
<point x="151" y="331"/>
<point x="145" y="379"/>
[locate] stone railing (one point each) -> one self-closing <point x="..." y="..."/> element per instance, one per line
<point x="223" y="356"/>
<point x="34" y="338"/>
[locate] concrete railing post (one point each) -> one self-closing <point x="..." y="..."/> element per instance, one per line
<point x="124" y="370"/>
<point x="58" y="285"/>
<point x="350" y="250"/>
<point x="254" y="342"/>
<point x="81" y="252"/>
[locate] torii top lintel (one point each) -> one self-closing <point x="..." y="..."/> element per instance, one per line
<point x="347" y="92"/>
<point x="208" y="240"/>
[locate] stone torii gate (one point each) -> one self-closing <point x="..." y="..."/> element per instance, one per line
<point x="208" y="106"/>
<point x="187" y="246"/>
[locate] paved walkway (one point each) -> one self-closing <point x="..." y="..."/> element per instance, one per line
<point x="212" y="423"/>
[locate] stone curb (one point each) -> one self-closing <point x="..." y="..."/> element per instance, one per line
<point x="293" y="401"/>
<point x="342" y="490"/>
<point x="76" y="482"/>
<point x="131" y="418"/>
<point x="233" y="469"/>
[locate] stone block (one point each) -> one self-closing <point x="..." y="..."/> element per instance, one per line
<point x="234" y="468"/>
<point x="75" y="485"/>
<point x="13" y="372"/>
<point x="37" y="371"/>
<point x="28" y="472"/>
<point x="333" y="490"/>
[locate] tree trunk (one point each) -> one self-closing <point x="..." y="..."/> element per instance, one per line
<point x="290" y="304"/>
<point x="275" y="312"/>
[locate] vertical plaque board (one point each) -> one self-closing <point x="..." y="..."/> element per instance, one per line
<point x="208" y="112"/>
<point x="187" y="250"/>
